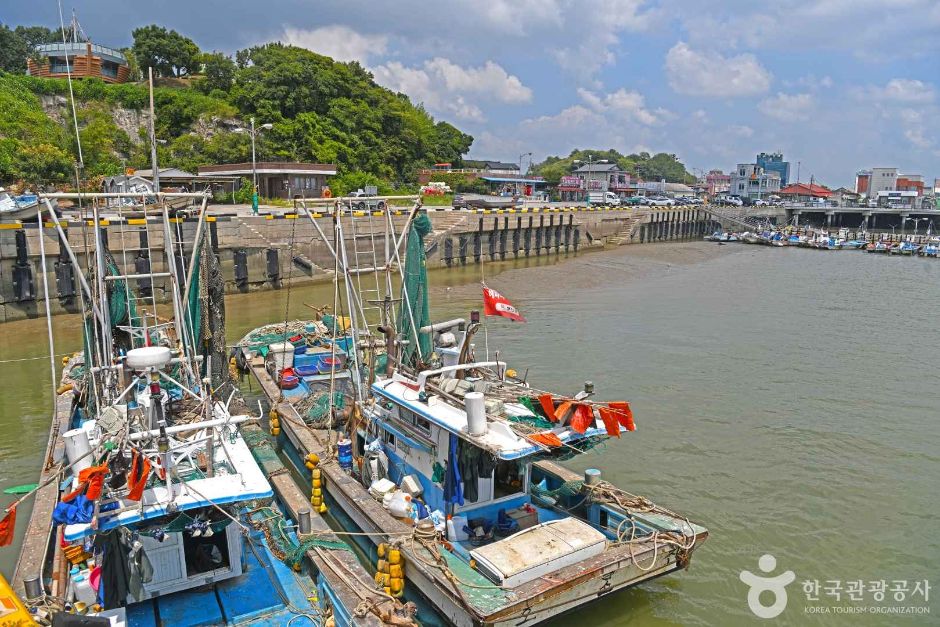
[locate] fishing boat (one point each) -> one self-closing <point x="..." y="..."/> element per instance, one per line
<point x="878" y="247"/>
<point x="18" y="207"/>
<point x="931" y="249"/>
<point x="161" y="500"/>
<point x="904" y="248"/>
<point x="449" y="460"/>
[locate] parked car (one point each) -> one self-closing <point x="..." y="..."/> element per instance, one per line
<point x="367" y="201"/>
<point x="729" y="201"/>
<point x="637" y="200"/>
<point x="661" y="201"/>
<point x="760" y="202"/>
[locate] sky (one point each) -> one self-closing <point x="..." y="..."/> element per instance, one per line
<point x="836" y="85"/>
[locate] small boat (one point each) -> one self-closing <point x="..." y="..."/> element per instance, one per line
<point x="907" y="248"/>
<point x="879" y="247"/>
<point x="22" y="207"/>
<point x="931" y="249"/>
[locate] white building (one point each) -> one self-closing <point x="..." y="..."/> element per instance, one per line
<point x="751" y="181"/>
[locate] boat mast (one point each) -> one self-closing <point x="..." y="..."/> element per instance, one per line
<point x="153" y="136"/>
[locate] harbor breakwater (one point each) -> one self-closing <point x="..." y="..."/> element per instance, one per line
<point x="273" y="250"/>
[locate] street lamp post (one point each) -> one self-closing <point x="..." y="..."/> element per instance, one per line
<point x="253" y="132"/>
<point x="520" y="184"/>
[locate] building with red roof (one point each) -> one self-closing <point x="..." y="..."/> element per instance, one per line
<point x="805" y="192"/>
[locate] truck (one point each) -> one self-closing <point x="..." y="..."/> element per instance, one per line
<point x="608" y="199"/>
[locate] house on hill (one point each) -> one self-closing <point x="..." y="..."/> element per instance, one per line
<point x="78" y="56"/>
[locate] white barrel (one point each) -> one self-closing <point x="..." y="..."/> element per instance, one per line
<point x="283" y="355"/>
<point x="592" y="476"/>
<point x="77" y="445"/>
<point x="476" y="413"/>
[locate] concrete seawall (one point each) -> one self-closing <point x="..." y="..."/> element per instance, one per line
<point x="268" y="252"/>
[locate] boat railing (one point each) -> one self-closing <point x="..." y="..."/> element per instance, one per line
<point x="424" y="374"/>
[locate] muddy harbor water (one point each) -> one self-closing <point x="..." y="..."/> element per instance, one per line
<point x="785" y="398"/>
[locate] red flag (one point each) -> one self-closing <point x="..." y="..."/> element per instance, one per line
<point x="495" y="304"/>
<point x="7" y="525"/>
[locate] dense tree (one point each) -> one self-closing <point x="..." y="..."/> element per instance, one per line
<point x="652" y="168"/>
<point x="32" y="146"/>
<point x="36" y="35"/>
<point x="167" y="52"/>
<point x="218" y="71"/>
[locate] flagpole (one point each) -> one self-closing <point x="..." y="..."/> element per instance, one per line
<point x="486" y="334"/>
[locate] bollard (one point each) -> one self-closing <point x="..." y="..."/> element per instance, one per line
<point x="33" y="587"/>
<point x="592" y="476"/>
<point x="303" y="520"/>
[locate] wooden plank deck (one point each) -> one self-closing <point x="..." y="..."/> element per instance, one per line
<point x="37" y="539"/>
<point x="339" y="565"/>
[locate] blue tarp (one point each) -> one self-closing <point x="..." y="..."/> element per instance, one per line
<point x="453" y="484"/>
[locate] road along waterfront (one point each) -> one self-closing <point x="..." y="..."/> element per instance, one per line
<point x="784" y="398"/>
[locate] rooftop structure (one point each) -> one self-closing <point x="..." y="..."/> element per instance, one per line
<point x="804" y="192"/>
<point x="78" y="56"/>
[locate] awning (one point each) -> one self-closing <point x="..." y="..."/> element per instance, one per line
<point x="497" y="179"/>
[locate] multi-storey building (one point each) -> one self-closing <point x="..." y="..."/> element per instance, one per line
<point x="749" y="180"/>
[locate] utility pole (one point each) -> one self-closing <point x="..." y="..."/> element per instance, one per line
<point x="254" y="171"/>
<point x="153" y="137"/>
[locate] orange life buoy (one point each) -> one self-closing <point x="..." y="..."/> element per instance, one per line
<point x="327" y="193"/>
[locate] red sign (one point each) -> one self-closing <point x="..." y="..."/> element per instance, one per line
<point x="495" y="304"/>
<point x="569" y="181"/>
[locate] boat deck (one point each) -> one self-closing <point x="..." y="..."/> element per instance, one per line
<point x="615" y="568"/>
<point x="267" y="593"/>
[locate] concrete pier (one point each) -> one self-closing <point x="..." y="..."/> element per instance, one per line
<point x="270" y="251"/>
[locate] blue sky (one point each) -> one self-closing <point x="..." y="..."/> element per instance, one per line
<point x="838" y="85"/>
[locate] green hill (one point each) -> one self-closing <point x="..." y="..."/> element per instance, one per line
<point x="321" y="111"/>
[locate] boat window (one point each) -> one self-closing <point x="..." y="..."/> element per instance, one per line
<point x="388" y="437"/>
<point x="411" y="418"/>
<point x="509" y="479"/>
<point x="204" y="554"/>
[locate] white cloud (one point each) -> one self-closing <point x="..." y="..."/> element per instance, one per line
<point x="905" y="90"/>
<point x="868" y="29"/>
<point x="339" y="42"/>
<point x="624" y="104"/>
<point x="519" y="16"/>
<point x="704" y="73"/>
<point x="490" y="78"/>
<point x="787" y="107"/>
<point x="913" y="125"/>
<point x="594" y="30"/>
<point x="445" y="87"/>
<point x="741" y="130"/>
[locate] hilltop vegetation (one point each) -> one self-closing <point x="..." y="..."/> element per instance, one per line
<point x="321" y="111"/>
<point x="649" y="167"/>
